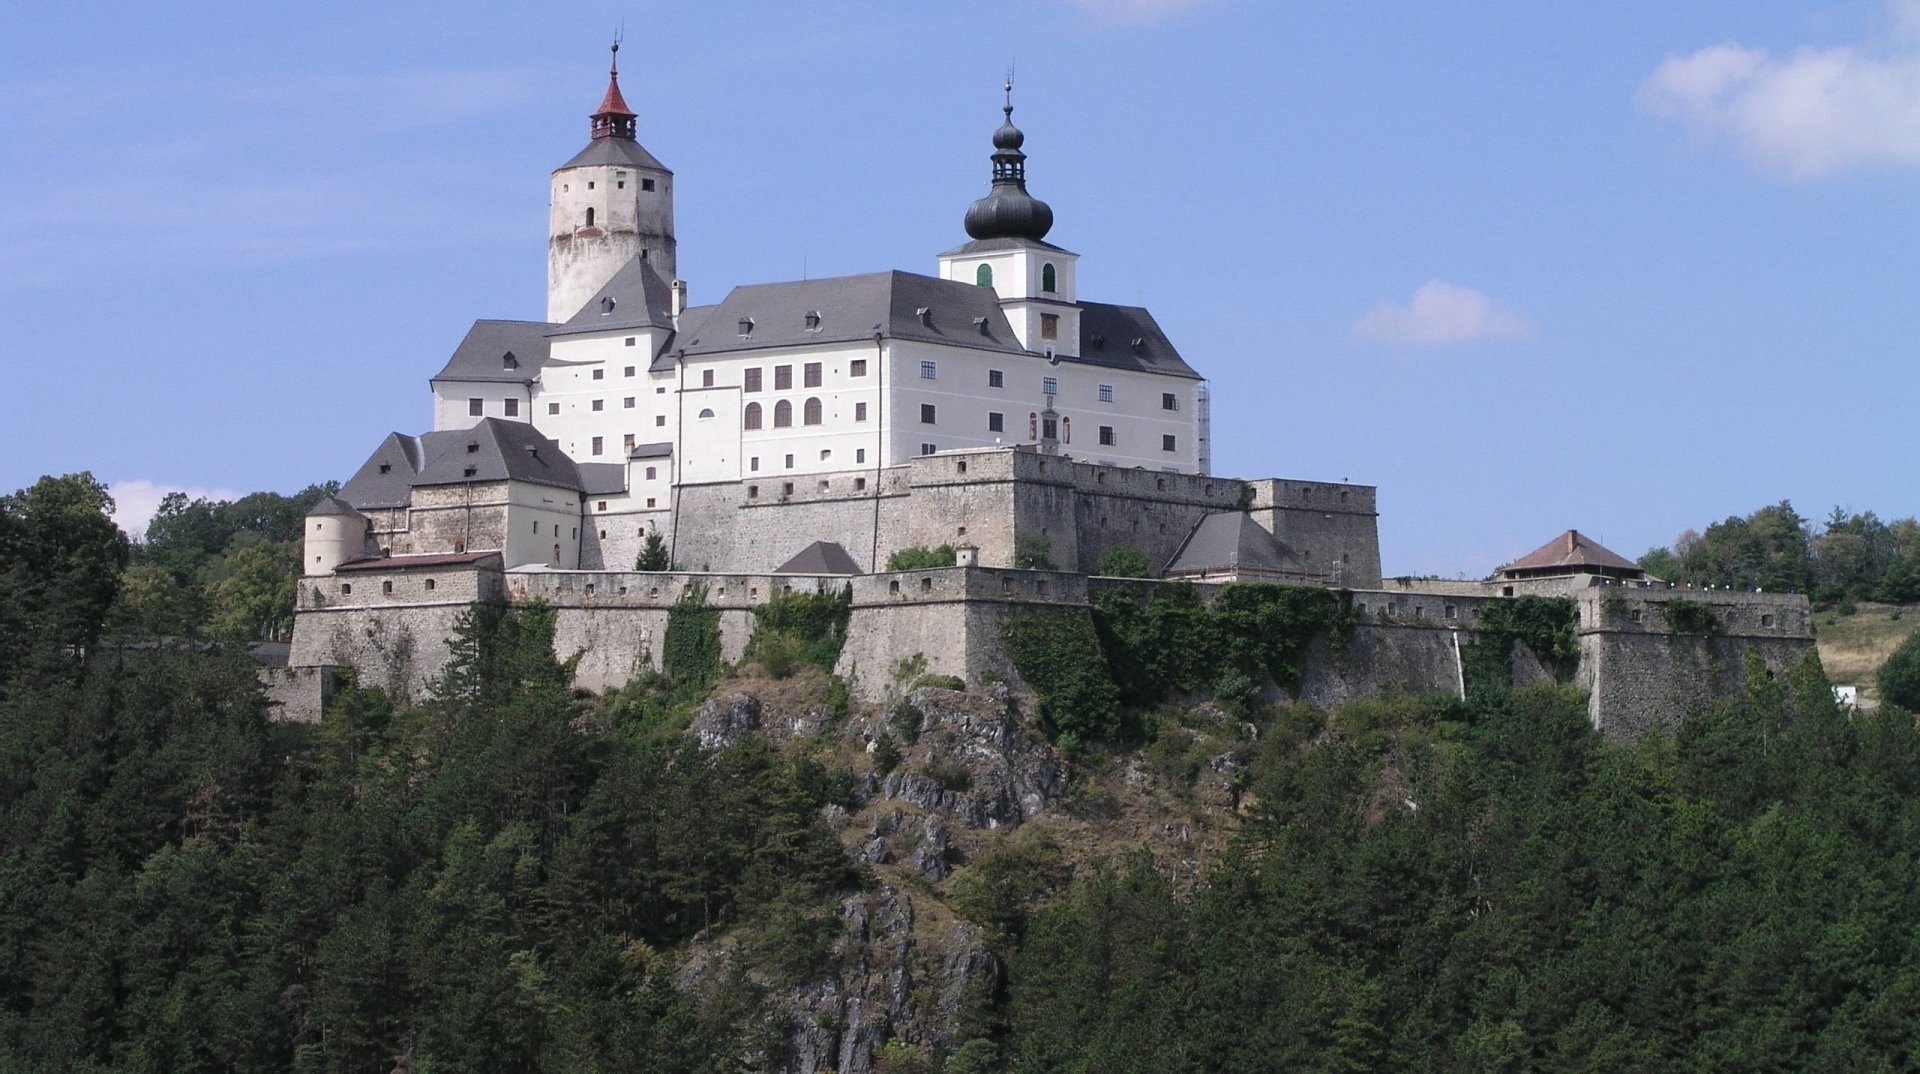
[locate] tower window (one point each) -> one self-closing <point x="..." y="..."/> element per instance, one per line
<point x="1106" y="436"/>
<point x="621" y="185"/>
<point x="928" y="371"/>
<point x="928" y="449"/>
<point x="589" y="214"/>
<point x="1166" y="442"/>
<point x="996" y="379"/>
<point x="927" y="413"/>
<point x="646" y="184"/>
<point x="1049" y="326"/>
<point x="996" y="422"/>
<point x="857" y="367"/>
<point x="983" y="276"/>
<point x="1049" y="280"/>
<point x="810" y="414"/>
<point x="652" y="473"/>
<point x="553" y="408"/>
<point x="1169" y="401"/>
<point x="1106" y="393"/>
<point x="1049" y="386"/>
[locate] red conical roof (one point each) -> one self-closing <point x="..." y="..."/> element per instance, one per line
<point x="613" y="104"/>
<point x="613" y="119"/>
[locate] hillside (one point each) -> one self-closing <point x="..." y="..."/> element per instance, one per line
<point x="1852" y="647"/>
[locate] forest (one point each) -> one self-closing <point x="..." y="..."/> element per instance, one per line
<point x="504" y="875"/>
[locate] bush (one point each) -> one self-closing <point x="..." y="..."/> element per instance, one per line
<point x="1236" y="691"/>
<point x="1125" y="561"/>
<point x="1032" y="552"/>
<point x="940" y="682"/>
<point x="1058" y="654"/>
<point x="919" y="558"/>
<point x="792" y="629"/>
<point x="1899" y="677"/>
<point x="886" y="755"/>
<point x="1691" y="617"/>
<point x="950" y="774"/>
<point x="905" y="719"/>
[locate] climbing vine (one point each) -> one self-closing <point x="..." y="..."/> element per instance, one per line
<point x="1058" y="653"/>
<point x="1690" y="617"/>
<point x="1545" y="625"/>
<point x="690" y="654"/>
<point x="801" y="628"/>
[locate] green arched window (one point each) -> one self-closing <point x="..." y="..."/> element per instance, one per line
<point x="1049" y="280"/>
<point x="983" y="275"/>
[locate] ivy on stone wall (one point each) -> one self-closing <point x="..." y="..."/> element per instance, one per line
<point x="690" y="654"/>
<point x="920" y="558"/>
<point x="1058" y="654"/>
<point x="1545" y="625"/>
<point x="1690" y="616"/>
<point x="801" y="628"/>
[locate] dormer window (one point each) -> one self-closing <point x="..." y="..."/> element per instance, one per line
<point x="606" y="305"/>
<point x="746" y="326"/>
<point x="386" y="467"/>
<point x="473" y="447"/>
<point x="925" y="313"/>
<point x="508" y="361"/>
<point x="1098" y="341"/>
<point x="813" y="321"/>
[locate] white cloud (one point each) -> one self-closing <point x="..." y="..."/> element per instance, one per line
<point x="1441" y="314"/>
<point x="1813" y="113"/>
<point x="1135" y="12"/>
<point x="135" y="501"/>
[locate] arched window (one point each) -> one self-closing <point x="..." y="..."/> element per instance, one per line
<point x="983" y="275"/>
<point x="1066" y="430"/>
<point x="782" y="414"/>
<point x="1049" y="280"/>
<point x="810" y="414"/>
<point x="589" y="217"/>
<point x="706" y="412"/>
<point x="1033" y="425"/>
<point x="751" y="420"/>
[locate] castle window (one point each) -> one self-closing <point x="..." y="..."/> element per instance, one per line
<point x="810" y="413"/>
<point x="996" y="379"/>
<point x="983" y="276"/>
<point x="1049" y="428"/>
<point x="627" y="403"/>
<point x="599" y="374"/>
<point x="620" y="185"/>
<point x="589" y="212"/>
<point x="786" y="487"/>
<point x="927" y="414"/>
<point x="652" y="473"/>
<point x="860" y="483"/>
<point x="1049" y="279"/>
<point x="660" y="420"/>
<point x="859" y="412"/>
<point x="1049" y="326"/>
<point x="597" y="444"/>
<point x="706" y="378"/>
<point x="1168" y="401"/>
<point x="753" y="463"/>
<point x="599" y="405"/>
<point x="626" y="443"/>
<point x="926" y="585"/>
<point x="649" y="501"/>
<point x="512" y="407"/>
<point x="789" y="462"/>
<point x="1106" y="393"/>
<point x="346" y="588"/>
<point x="429" y="584"/>
<point x="782" y="377"/>
<point x="783" y="415"/>
<point x="1166" y="442"/>
<point x="813" y="320"/>
<point x="589" y="187"/>
<point x="553" y="408"/>
<point x="476" y="407"/>
<point x="1451" y="612"/>
<point x="1633" y="615"/>
<point x="1066" y="430"/>
<point x="750" y="418"/>
<point x="386" y="587"/>
<point x="1766" y="620"/>
<point x="753" y="491"/>
<point x="646" y="184"/>
<point x="705" y="413"/>
<point x="1106" y="436"/>
<point x="857" y="367"/>
<point x="1049" y="386"/>
<point x="996" y="422"/>
<point x="928" y="371"/>
<point x="928" y="449"/>
<point x="536" y="525"/>
<point x="893" y="587"/>
<point x="810" y="375"/>
<point x="631" y="340"/>
<point x="750" y="380"/>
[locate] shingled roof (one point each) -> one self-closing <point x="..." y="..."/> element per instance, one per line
<point x="1231" y="542"/>
<point x="1571" y="553"/>
<point x="853" y="308"/>
<point x="492" y="450"/>
<point x="636" y="297"/>
<point x="505" y="352"/>
<point x="820" y="557"/>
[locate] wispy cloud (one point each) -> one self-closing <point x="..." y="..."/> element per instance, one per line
<point x="1441" y="314"/>
<point x="1135" y="12"/>
<point x="135" y="501"/>
<point x="1813" y="113"/>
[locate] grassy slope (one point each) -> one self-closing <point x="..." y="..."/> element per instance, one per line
<point x="1852" y="647"/>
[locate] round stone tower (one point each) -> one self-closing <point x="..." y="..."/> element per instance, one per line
<point x="611" y="203"/>
<point x="336" y="533"/>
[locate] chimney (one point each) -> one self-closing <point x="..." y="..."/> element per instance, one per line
<point x="1573" y="541"/>
<point x="679" y="306"/>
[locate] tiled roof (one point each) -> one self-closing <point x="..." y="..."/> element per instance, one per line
<point x="1570" y="551"/>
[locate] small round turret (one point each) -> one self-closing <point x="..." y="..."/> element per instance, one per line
<point x="335" y="534"/>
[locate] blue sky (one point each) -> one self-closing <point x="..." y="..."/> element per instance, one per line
<point x="1628" y="268"/>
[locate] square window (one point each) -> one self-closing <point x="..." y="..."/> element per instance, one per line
<point x="928" y="449"/>
<point x="1106" y="436"/>
<point x="782" y="377"/>
<point x="476" y="407"/>
<point x="750" y="382"/>
<point x="589" y="185"/>
<point x="660" y="420"/>
<point x="859" y="411"/>
<point x="1049" y="386"/>
<point x="650" y="501"/>
<point x="810" y="375"/>
<point x="627" y="372"/>
<point x="996" y="423"/>
<point x="627" y="403"/>
<point x="926" y="414"/>
<point x="553" y="408"/>
<point x="996" y="379"/>
<point x="857" y="367"/>
<point x="1106" y="393"/>
<point x="1049" y="326"/>
<point x="597" y="442"/>
<point x="1169" y="401"/>
<point x="825" y="454"/>
<point x="1166" y="442"/>
<point x="512" y="407"/>
<point x="599" y="374"/>
<point x="652" y="473"/>
<point x="928" y="371"/>
<point x="599" y="405"/>
<point x="631" y="340"/>
<point x="601" y="506"/>
<point x="646" y="184"/>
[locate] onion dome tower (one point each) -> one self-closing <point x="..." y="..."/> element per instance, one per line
<point x="1008" y="211"/>
<point x="610" y="204"/>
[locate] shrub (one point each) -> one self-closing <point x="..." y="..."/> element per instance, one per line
<point x="1058" y="654"/>
<point x="1125" y="561"/>
<point x="886" y="755"/>
<point x="653" y="554"/>
<point x="1899" y="677"/>
<point x="1236" y="691"/>
<point x="1032" y="552"/>
<point x="1690" y="617"/>
<point x="920" y="558"/>
<point x="940" y="682"/>
<point x="791" y="629"/>
<point x="950" y="774"/>
<point x="905" y="719"/>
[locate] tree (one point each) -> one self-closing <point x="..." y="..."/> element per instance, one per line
<point x="653" y="554"/>
<point x="1899" y="677"/>
<point x="1125" y="561"/>
<point x="60" y="563"/>
<point x="920" y="558"/>
<point x="1032" y="552"/>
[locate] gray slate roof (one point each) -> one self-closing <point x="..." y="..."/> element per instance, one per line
<point x="988" y="246"/>
<point x="660" y="450"/>
<point x="1107" y="333"/>
<point x="481" y="355"/>
<point x="1232" y="540"/>
<point x="332" y="505"/>
<point x="853" y="308"/>
<point x="641" y="299"/>
<point x="615" y="151"/>
<point x="495" y="449"/>
<point x="820" y="557"/>
<point x="601" y="478"/>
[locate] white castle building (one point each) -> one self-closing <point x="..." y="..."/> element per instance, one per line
<point x="595" y="422"/>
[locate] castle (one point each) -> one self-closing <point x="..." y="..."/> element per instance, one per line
<point x="795" y="435"/>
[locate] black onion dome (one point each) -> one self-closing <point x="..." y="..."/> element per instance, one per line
<point x="1008" y="211"/>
